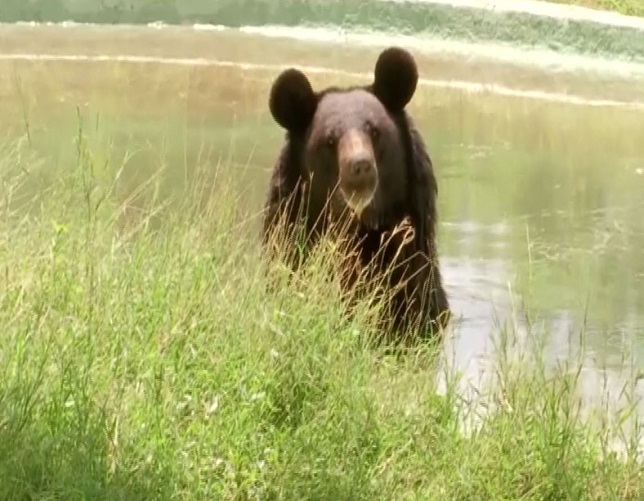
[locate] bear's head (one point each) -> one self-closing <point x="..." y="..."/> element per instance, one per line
<point x="352" y="146"/>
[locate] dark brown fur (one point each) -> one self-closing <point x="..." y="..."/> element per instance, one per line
<point x="397" y="230"/>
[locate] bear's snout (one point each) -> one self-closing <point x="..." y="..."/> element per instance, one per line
<point x="360" y="168"/>
<point x="358" y="173"/>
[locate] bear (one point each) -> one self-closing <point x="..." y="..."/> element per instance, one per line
<point x="353" y="155"/>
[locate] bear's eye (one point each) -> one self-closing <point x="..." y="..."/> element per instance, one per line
<point x="331" y="142"/>
<point x="373" y="131"/>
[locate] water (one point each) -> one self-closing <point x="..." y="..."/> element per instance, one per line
<point x="540" y="168"/>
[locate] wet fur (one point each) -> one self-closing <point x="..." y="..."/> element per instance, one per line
<point x="381" y="243"/>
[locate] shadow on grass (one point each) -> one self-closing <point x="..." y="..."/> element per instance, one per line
<point x="56" y="448"/>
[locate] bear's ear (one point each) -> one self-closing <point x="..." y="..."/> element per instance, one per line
<point x="292" y="101"/>
<point x="395" y="78"/>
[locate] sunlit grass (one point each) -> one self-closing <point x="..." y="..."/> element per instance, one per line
<point x="144" y="356"/>
<point x="628" y="7"/>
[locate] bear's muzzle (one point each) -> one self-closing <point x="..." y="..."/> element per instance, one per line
<point x="358" y="174"/>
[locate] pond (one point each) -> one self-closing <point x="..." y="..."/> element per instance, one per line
<point x="540" y="166"/>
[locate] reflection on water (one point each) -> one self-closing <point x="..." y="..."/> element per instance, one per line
<point x="540" y="202"/>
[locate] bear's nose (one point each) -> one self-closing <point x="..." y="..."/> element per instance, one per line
<point x="360" y="167"/>
<point x="359" y="176"/>
<point x="357" y="165"/>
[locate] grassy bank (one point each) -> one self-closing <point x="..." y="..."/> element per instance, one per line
<point x="626" y="7"/>
<point x="440" y="21"/>
<point x="143" y="358"/>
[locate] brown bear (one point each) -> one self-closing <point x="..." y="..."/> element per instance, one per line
<point x="353" y="155"/>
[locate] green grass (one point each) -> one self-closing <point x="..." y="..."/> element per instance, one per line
<point x="628" y="7"/>
<point x="143" y="357"/>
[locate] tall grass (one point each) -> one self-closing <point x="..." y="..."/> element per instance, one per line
<point x="143" y="356"/>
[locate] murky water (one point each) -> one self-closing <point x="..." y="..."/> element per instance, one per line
<point x="541" y="200"/>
